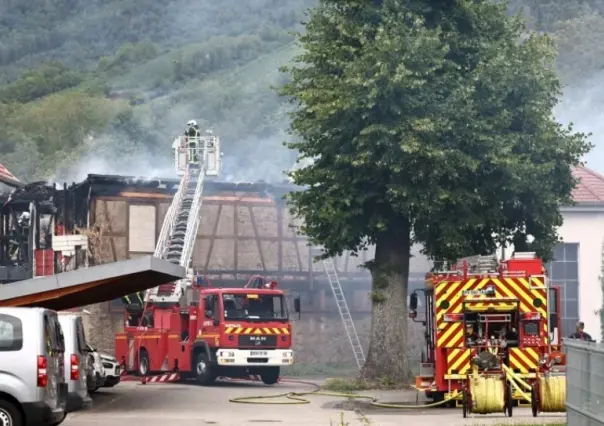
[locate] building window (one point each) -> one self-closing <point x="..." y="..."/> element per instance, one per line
<point x="564" y="273"/>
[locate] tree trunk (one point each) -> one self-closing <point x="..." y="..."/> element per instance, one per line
<point x="388" y="357"/>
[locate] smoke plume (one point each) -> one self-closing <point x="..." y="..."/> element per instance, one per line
<point x="582" y="104"/>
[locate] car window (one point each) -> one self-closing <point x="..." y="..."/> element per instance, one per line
<point x="81" y="337"/>
<point x="49" y="337"/>
<point x="60" y="338"/>
<point x="11" y="333"/>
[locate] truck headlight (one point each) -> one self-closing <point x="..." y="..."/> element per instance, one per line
<point x="288" y="354"/>
<point x="226" y="354"/>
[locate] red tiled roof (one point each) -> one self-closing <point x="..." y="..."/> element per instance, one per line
<point x="7" y="177"/>
<point x="590" y="188"/>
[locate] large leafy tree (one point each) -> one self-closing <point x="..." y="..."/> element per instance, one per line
<point x="426" y="122"/>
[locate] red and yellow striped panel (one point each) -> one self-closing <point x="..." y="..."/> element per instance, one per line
<point x="524" y="360"/>
<point x="451" y="334"/>
<point x="256" y="330"/>
<point x="458" y="361"/>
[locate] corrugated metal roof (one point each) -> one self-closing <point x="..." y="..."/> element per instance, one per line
<point x="590" y="188"/>
<point x="8" y="178"/>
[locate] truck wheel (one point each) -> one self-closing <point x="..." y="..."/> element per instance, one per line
<point x="9" y="414"/>
<point x="204" y="373"/>
<point x="143" y="363"/>
<point x="270" y="375"/>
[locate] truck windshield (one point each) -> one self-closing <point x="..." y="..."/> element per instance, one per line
<point x="254" y="307"/>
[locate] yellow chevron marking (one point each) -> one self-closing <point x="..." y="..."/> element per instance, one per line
<point x="497" y="306"/>
<point x="276" y="331"/>
<point x="447" y="289"/>
<point x="451" y="329"/>
<point x="517" y="355"/>
<point x="267" y="330"/>
<point x="257" y="331"/>
<point x="239" y="330"/>
<point x="536" y="282"/>
<point x="455" y="297"/>
<point x="461" y="364"/>
<point x="533" y="353"/>
<point x="523" y="292"/>
<point x="285" y="331"/>
<point x="480" y="286"/>
<point x="508" y="293"/>
<point x="229" y="330"/>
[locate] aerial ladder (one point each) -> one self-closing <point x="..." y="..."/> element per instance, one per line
<point x="340" y="298"/>
<point x="194" y="159"/>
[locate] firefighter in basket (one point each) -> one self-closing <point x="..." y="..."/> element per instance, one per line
<point x="192" y="134"/>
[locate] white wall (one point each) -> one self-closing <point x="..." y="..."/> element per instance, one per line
<point x="587" y="229"/>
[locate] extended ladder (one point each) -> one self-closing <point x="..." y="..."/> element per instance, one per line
<point x="179" y="230"/>
<point x="338" y="294"/>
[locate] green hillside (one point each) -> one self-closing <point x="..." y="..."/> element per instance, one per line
<point x="103" y="86"/>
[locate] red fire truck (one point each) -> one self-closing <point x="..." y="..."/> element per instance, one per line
<point x="224" y="332"/>
<point x="482" y="303"/>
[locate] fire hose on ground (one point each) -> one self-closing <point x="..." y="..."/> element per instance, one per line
<point x="488" y="394"/>
<point x="297" y="398"/>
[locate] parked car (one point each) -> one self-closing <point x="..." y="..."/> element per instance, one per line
<point x="112" y="369"/>
<point x="98" y="372"/>
<point x="33" y="390"/>
<point x="79" y="372"/>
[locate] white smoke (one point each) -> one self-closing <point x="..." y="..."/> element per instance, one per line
<point x="111" y="155"/>
<point x="251" y="160"/>
<point x="583" y="105"/>
<point x="257" y="159"/>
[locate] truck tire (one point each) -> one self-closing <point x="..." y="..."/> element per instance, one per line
<point x="270" y="375"/>
<point x="204" y="372"/>
<point x="143" y="363"/>
<point x="9" y="414"/>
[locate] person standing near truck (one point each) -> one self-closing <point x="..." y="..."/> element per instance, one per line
<point x="580" y="334"/>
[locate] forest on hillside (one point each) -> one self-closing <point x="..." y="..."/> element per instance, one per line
<point x="91" y="86"/>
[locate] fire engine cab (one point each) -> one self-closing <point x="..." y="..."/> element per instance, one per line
<point x="224" y="332"/>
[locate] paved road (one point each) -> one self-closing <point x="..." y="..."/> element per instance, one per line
<point x="133" y="404"/>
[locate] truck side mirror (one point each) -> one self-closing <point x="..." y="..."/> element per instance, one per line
<point x="297" y="305"/>
<point x="413" y="302"/>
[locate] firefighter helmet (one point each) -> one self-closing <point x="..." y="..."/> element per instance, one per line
<point x="192" y="123"/>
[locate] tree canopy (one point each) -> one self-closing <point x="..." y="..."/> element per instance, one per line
<point x="429" y="124"/>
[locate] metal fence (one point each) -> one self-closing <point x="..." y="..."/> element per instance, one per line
<point x="584" y="383"/>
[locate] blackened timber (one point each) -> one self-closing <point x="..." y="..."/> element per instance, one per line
<point x="113" y="185"/>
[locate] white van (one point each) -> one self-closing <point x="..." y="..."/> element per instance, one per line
<point x="76" y="362"/>
<point x="32" y="386"/>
